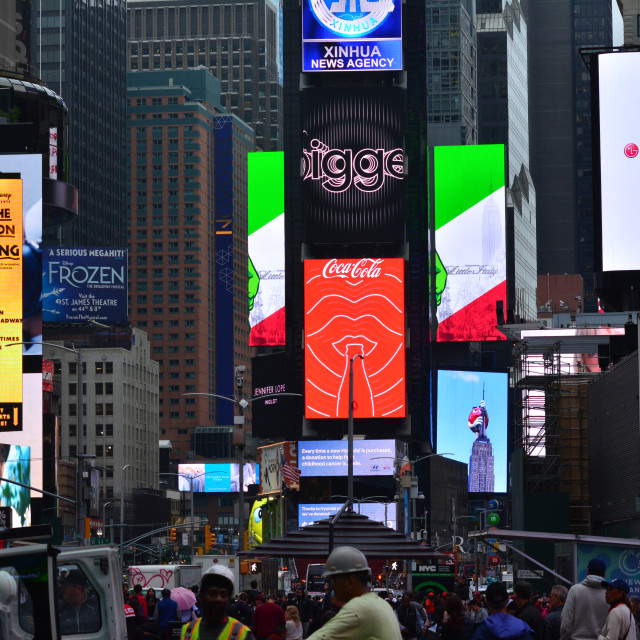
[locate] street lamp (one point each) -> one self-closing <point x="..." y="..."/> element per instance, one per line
<point x="104" y="516"/>
<point x="122" y="493"/>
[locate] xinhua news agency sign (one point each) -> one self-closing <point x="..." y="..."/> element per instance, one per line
<point x="84" y="283"/>
<point x="352" y="35"/>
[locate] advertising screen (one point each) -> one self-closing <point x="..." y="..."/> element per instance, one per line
<point x="329" y="457"/>
<point x="220" y="477"/>
<point x="378" y="511"/>
<point x="470" y="241"/>
<point x="472" y="425"/>
<point x="266" y="248"/>
<point x="354" y="311"/>
<point x="15" y="461"/>
<point x="337" y="37"/>
<point x="619" y="89"/>
<point x="353" y="187"/>
<point x="84" y="283"/>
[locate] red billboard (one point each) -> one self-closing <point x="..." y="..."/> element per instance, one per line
<point x="354" y="307"/>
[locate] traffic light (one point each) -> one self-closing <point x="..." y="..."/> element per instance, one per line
<point x="173" y="534"/>
<point x="209" y="538"/>
<point x="87" y="527"/>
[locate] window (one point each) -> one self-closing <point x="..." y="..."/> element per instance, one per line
<point x="99" y="451"/>
<point x="108" y="367"/>
<point x="99" y="430"/>
<point x="99" y="388"/>
<point x="108" y="451"/>
<point x="73" y="389"/>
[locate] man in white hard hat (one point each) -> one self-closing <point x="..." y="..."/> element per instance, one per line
<point x="216" y="588"/>
<point x="365" y="616"/>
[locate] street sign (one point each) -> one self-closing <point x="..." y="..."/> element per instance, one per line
<point x="493" y="518"/>
<point x="525" y="574"/>
<point x="99" y="540"/>
<point x="494" y="560"/>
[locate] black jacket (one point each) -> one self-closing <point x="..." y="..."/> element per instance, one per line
<point x="529" y="613"/>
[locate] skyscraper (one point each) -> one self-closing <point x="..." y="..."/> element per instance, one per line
<point x="240" y="42"/>
<point x="181" y="175"/>
<point x="503" y="118"/>
<point x="560" y="110"/>
<point x="79" y="47"/>
<point x="451" y="72"/>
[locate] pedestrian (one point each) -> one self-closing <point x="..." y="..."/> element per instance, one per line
<point x="306" y="609"/>
<point x="268" y="618"/>
<point x="477" y="613"/>
<point x="620" y="623"/>
<point x="331" y="612"/>
<point x="167" y="609"/>
<point x="499" y="625"/>
<point x="555" y="604"/>
<point x="293" y="624"/>
<point x="411" y="622"/>
<point x="137" y="593"/>
<point x="456" y="625"/>
<point x="364" y="616"/>
<point x="635" y="602"/>
<point x="216" y="589"/>
<point x="240" y="609"/>
<point x="527" y="610"/>
<point x="462" y="589"/>
<point x="585" y="609"/>
<point x="152" y="601"/>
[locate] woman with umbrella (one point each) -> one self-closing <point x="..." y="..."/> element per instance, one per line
<point x="186" y="600"/>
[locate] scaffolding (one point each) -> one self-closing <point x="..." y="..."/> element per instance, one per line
<point x="551" y="425"/>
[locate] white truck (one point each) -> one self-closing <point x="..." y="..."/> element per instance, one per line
<point x="231" y="562"/>
<point x="40" y="586"/>
<point x="159" y="576"/>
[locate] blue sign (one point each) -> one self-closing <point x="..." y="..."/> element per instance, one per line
<point x="311" y="513"/>
<point x="220" y="477"/>
<point x="84" y="283"/>
<point x="352" y="35"/>
<point x="329" y="457"/>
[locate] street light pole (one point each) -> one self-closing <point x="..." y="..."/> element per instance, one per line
<point x="104" y="517"/>
<point x="122" y="494"/>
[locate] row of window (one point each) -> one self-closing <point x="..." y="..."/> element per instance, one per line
<point x="100" y="409"/>
<point x="99" y="368"/>
<point x="102" y="430"/>
<point x="101" y="388"/>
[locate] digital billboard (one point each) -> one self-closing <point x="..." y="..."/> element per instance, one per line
<point x="472" y="414"/>
<point x="266" y="248"/>
<point x="337" y="37"/>
<point x="470" y="241"/>
<point x="84" y="283"/>
<point x="353" y="187"/>
<point x="216" y="477"/>
<point x="354" y="307"/>
<point x="15" y="464"/>
<point x="378" y="511"/>
<point x="329" y="457"/>
<point x="619" y="91"/>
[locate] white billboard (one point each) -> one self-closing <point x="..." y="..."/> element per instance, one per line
<point x="619" y="89"/>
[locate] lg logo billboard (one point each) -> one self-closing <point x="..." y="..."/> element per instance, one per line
<point x="631" y="150"/>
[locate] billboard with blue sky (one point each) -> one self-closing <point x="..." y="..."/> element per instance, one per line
<point x="329" y="457"/>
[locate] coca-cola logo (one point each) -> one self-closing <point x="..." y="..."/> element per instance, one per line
<point x="631" y="150"/>
<point x="339" y="169"/>
<point x="365" y="268"/>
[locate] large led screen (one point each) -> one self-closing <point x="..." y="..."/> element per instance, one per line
<point x="329" y="457"/>
<point x="354" y="311"/>
<point x="353" y="187"/>
<point x="220" y="477"/>
<point x="470" y="241"/>
<point x="84" y="283"/>
<point x="15" y="462"/>
<point x="266" y="248"/>
<point x="619" y="89"/>
<point x="472" y="425"/>
<point x="341" y="37"/>
<point x="378" y="511"/>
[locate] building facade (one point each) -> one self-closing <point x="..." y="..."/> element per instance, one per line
<point x="451" y="72"/>
<point x="560" y="112"/>
<point x="188" y="252"/>
<point x="80" y="48"/>
<point x="630" y="10"/>
<point x="239" y="42"/>
<point x="503" y="118"/>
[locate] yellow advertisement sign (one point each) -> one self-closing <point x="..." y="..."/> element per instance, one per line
<point x="10" y="303"/>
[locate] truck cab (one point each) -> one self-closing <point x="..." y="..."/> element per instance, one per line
<point x="48" y="593"/>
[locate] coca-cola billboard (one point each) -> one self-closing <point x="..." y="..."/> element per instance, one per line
<point x="353" y="165"/>
<point x="354" y="307"/>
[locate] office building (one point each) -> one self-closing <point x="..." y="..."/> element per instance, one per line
<point x="503" y="118"/>
<point x="239" y="42"/>
<point x="451" y="72"/>
<point x="630" y="10"/>
<point x="188" y="245"/>
<point x="560" y="128"/>
<point x="80" y="48"/>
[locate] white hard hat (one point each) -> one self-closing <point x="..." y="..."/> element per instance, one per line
<point x="346" y="560"/>
<point x="223" y="572"/>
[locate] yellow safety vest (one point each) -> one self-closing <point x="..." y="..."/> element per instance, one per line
<point x="233" y="630"/>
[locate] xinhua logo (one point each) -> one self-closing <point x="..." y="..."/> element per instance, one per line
<point x="631" y="150"/>
<point x="351" y="18"/>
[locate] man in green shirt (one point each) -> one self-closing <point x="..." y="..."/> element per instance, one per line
<point x="365" y="616"/>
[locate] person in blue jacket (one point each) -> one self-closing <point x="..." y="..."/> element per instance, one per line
<point x="499" y="625"/>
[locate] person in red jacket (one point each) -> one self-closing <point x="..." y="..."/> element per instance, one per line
<point x="268" y="618"/>
<point x="137" y="592"/>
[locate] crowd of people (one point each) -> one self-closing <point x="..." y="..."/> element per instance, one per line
<point x="594" y="609"/>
